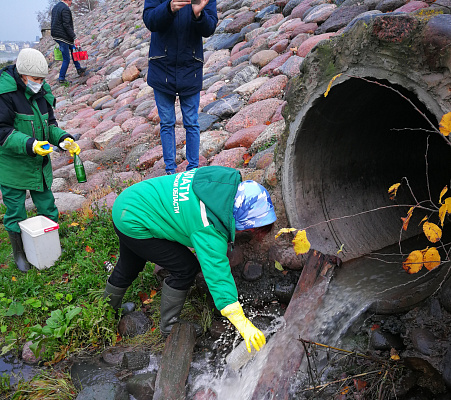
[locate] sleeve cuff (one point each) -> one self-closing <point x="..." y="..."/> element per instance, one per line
<point x="169" y="8"/>
<point x="29" y="147"/>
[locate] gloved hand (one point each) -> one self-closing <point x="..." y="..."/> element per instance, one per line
<point x="69" y="145"/>
<point x="39" y="147"/>
<point x="248" y="331"/>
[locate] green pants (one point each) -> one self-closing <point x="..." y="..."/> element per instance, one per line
<point x="14" y="200"/>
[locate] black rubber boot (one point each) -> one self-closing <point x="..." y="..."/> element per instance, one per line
<point x="81" y="71"/>
<point x="115" y="296"/>
<point x="172" y="301"/>
<point x="19" y="255"/>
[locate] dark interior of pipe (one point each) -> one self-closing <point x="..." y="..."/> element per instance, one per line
<point x="351" y="147"/>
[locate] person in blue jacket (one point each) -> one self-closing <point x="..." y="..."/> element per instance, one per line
<point x="175" y="68"/>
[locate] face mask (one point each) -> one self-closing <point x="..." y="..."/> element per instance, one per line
<point x="34" y="86"/>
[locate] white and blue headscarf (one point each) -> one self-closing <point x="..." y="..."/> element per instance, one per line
<point x="252" y="207"/>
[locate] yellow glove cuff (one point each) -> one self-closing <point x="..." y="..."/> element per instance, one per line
<point x="233" y="308"/>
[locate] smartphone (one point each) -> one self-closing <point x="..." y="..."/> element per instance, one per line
<point x="195" y="1"/>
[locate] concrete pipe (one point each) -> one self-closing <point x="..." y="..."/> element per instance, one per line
<point x="343" y="151"/>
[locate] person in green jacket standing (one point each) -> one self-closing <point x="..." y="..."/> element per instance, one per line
<point x="159" y="219"/>
<point x="27" y="127"/>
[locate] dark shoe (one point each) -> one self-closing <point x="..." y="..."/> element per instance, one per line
<point x="81" y="71"/>
<point x="19" y="255"/>
<point x="63" y="82"/>
<point x="115" y="296"/>
<point x="172" y="301"/>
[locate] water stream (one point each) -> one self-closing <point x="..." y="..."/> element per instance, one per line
<point x="353" y="289"/>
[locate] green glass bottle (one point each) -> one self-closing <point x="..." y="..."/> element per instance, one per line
<point x="79" y="169"/>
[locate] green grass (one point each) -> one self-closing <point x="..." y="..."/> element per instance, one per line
<point x="77" y="279"/>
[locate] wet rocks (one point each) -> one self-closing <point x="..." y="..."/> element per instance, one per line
<point x="382" y="340"/>
<point x="135" y="323"/>
<point x="423" y="340"/>
<point x="135" y="360"/>
<point x="252" y="271"/>
<point x="142" y="386"/>
<point x="103" y="391"/>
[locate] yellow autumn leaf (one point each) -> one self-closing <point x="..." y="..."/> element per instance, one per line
<point x="432" y="232"/>
<point x="442" y="214"/>
<point x="330" y="84"/>
<point x="414" y="262"/>
<point x="407" y="219"/>
<point x="345" y="390"/>
<point x="285" y="230"/>
<point x="445" y="124"/>
<point x="14" y="279"/>
<point x="392" y="190"/>
<point x="340" y="249"/>
<point x="278" y="265"/>
<point x="394" y="354"/>
<point x="74" y="224"/>
<point x="448" y="204"/>
<point x="424" y="219"/>
<point x="431" y="258"/>
<point x="301" y="243"/>
<point x="442" y="193"/>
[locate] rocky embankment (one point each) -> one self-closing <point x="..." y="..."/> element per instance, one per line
<point x="257" y="47"/>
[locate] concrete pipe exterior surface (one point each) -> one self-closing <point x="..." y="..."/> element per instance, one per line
<point x="375" y="127"/>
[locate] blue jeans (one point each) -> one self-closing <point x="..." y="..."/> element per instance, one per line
<point x="66" y="50"/>
<point x="166" y="112"/>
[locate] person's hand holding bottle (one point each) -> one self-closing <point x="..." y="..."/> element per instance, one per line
<point x="71" y="146"/>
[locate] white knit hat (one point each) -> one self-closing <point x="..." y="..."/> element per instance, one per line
<point x="32" y="62"/>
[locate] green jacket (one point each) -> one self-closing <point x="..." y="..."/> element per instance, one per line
<point x="194" y="208"/>
<point x="24" y="117"/>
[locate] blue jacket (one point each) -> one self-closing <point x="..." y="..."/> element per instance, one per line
<point x="176" y="52"/>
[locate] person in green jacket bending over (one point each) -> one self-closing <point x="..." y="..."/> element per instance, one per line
<point x="27" y="125"/>
<point x="158" y="220"/>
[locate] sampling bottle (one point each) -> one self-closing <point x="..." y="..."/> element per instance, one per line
<point x="78" y="164"/>
<point x="239" y="356"/>
<point x="79" y="169"/>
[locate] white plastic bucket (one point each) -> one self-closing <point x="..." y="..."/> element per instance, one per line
<point x="41" y="241"/>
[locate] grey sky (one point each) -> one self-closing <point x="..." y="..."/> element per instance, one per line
<point x="18" y="19"/>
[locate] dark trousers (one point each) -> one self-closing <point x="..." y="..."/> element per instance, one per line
<point x="174" y="257"/>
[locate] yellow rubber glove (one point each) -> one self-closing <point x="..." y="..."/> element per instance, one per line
<point x="248" y="331"/>
<point x="38" y="148"/>
<point x="72" y="147"/>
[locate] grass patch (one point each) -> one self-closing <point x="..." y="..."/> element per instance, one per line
<point x="49" y="385"/>
<point x="267" y="145"/>
<point x="61" y="307"/>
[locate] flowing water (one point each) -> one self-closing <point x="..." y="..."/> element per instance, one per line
<point x="353" y="289"/>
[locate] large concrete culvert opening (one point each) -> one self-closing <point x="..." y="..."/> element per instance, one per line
<point x="348" y="149"/>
